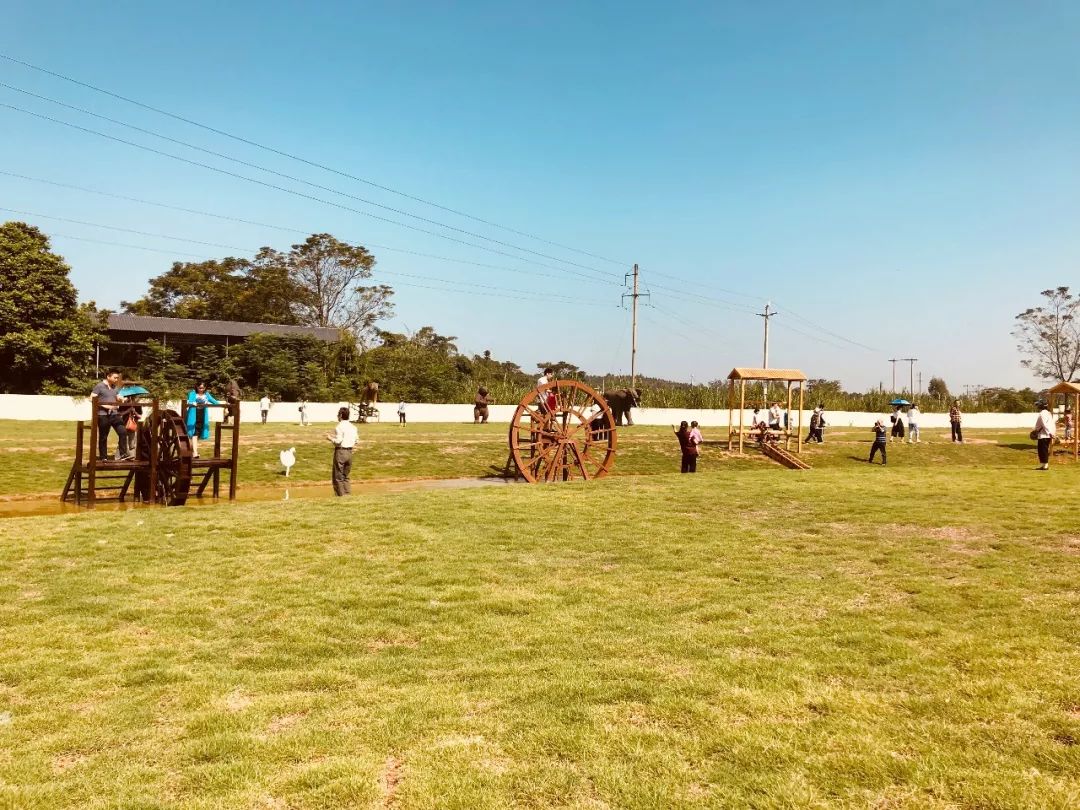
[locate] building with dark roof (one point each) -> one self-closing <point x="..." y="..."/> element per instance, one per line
<point x="183" y="334"/>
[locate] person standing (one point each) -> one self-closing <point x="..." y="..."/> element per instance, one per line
<point x="1044" y="433"/>
<point x="1069" y="425"/>
<point x="401" y="412"/>
<point x="232" y="397"/>
<point x="954" y="422"/>
<point x="264" y="407"/>
<point x="480" y="406"/>
<point x="774" y="417"/>
<point x="344" y="439"/>
<point x="547" y="401"/>
<point x="913" y="417"/>
<point x="880" y="442"/>
<point x="108" y="416"/>
<point x="686" y="446"/>
<point x="821" y="423"/>
<point x="303" y="413"/>
<point x="696" y="439"/>
<point x="897" y="419"/>
<point x="198" y="419"/>
<point x="815" y="427"/>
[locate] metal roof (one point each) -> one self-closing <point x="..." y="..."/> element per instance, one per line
<point x="792" y="374"/>
<point x="190" y="326"/>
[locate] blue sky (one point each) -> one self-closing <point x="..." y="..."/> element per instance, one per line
<point x="899" y="179"/>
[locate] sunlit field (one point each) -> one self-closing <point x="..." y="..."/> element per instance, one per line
<point x="848" y="636"/>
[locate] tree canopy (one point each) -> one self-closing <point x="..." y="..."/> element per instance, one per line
<point x="1048" y="336"/>
<point x="47" y="339"/>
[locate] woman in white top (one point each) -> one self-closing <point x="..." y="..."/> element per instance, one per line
<point x="913" y="416"/>
<point x="1044" y="434"/>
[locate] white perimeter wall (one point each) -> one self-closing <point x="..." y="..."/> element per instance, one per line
<point x="14" y="406"/>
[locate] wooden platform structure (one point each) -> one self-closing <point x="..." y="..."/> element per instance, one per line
<point x="1070" y="392"/>
<point x="737" y="380"/>
<point x="162" y="468"/>
<point x="782" y="456"/>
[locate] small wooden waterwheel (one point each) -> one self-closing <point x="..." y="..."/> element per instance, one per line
<point x="173" y="462"/>
<point x="566" y="437"/>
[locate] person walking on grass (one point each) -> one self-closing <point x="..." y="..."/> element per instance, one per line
<point x="687" y="447"/>
<point x="401" y="412"/>
<point x="264" y="407"/>
<point x="815" y="427"/>
<point x="913" y="417"/>
<point x="108" y="416"/>
<point x="880" y="442"/>
<point x="954" y="422"/>
<point x="344" y="439"/>
<point x="1044" y="434"/>
<point x="897" y="420"/>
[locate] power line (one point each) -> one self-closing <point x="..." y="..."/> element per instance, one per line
<point x="531" y="273"/>
<point x="303" y="195"/>
<point x="299" y="159"/>
<point x="129" y="245"/>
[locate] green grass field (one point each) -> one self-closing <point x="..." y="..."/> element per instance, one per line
<point x="851" y="636"/>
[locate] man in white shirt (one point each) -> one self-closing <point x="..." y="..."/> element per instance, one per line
<point x="344" y="439"/>
<point x="1044" y="433"/>
<point x="546" y="399"/>
<point x="264" y="406"/>
<point x="913" y="417"/>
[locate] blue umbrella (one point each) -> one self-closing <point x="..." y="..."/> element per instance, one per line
<point x="899" y="402"/>
<point x="132" y="390"/>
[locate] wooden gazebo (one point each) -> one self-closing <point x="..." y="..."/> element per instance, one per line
<point x="1070" y="392"/>
<point x="738" y="379"/>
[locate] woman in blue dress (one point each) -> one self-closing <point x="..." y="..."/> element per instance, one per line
<point x="198" y="420"/>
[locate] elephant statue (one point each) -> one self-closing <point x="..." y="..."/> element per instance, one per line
<point x="621" y="401"/>
<point x="370" y="394"/>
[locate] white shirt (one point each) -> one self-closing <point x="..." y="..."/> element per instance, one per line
<point x="264" y="404"/>
<point x="774" y="413"/>
<point x="401" y="408"/>
<point x="1045" y="424"/>
<point x="913" y="415"/>
<point x="345" y="435"/>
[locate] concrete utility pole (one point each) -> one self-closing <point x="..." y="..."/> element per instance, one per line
<point x="911" y="361"/>
<point x="634" y="296"/>
<point x="894" y="361"/>
<point x="766" y="315"/>
<point x="920" y="383"/>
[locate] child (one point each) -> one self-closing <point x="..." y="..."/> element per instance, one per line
<point x="1068" y="424"/>
<point x="689" y="450"/>
<point x="696" y="439"/>
<point x="880" y="442"/>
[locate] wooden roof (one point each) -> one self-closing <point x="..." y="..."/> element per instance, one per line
<point x="146" y="324"/>
<point x="1066" y="388"/>
<point x="786" y="374"/>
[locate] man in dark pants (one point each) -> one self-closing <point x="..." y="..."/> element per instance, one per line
<point x="344" y="439"/>
<point x="1045" y="428"/>
<point x="880" y="442"/>
<point x="954" y="422"/>
<point x="108" y="416"/>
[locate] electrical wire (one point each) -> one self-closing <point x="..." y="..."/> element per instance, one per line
<point x="305" y="161"/>
<point x="294" y="179"/>
<point x="293" y="192"/>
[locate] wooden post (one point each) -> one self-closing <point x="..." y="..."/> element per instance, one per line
<point x="730" y="414"/>
<point x="217" y="455"/>
<point x="91" y="474"/>
<point x="235" y="450"/>
<point x="799" y="446"/>
<point x="787" y="427"/>
<point x="78" y="474"/>
<point x="742" y="409"/>
<point x="155" y="427"/>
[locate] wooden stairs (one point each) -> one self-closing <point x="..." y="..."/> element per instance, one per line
<point x="782" y="456"/>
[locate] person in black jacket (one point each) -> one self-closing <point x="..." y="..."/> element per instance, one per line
<point x="880" y="442"/>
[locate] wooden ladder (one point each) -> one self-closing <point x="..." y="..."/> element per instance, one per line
<point x="782" y="456"/>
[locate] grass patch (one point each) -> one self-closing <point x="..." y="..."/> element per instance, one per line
<point x="852" y="636"/>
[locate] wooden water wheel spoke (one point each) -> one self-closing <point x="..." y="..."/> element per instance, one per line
<point x="563" y="445"/>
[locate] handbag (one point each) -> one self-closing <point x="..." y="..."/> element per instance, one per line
<point x="1034" y="435"/>
<point x="131" y="425"/>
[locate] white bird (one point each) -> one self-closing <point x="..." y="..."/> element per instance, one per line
<point x="288" y="458"/>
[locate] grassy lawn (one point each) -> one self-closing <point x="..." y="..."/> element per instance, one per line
<point x="37" y="455"/>
<point x="748" y="637"/>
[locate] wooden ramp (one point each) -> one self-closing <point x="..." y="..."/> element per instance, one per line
<point x="782" y="456"/>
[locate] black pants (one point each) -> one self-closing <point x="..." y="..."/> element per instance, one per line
<point x="875" y="449"/>
<point x="957" y="436"/>
<point x="264" y="413"/>
<point x="1044" y="450"/>
<point x="814" y="436"/>
<point x="401" y="418"/>
<point x="689" y="463"/>
<point x="342" y="468"/>
<point x="111" y="421"/>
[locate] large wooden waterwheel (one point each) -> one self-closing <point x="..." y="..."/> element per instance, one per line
<point x="174" y="459"/>
<point x="563" y="431"/>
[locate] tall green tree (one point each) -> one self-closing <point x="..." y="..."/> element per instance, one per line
<point x="229" y="289"/>
<point x="47" y="339"/>
<point x="1048" y="336"/>
<point x="328" y="274"/>
<point x="937" y="389"/>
